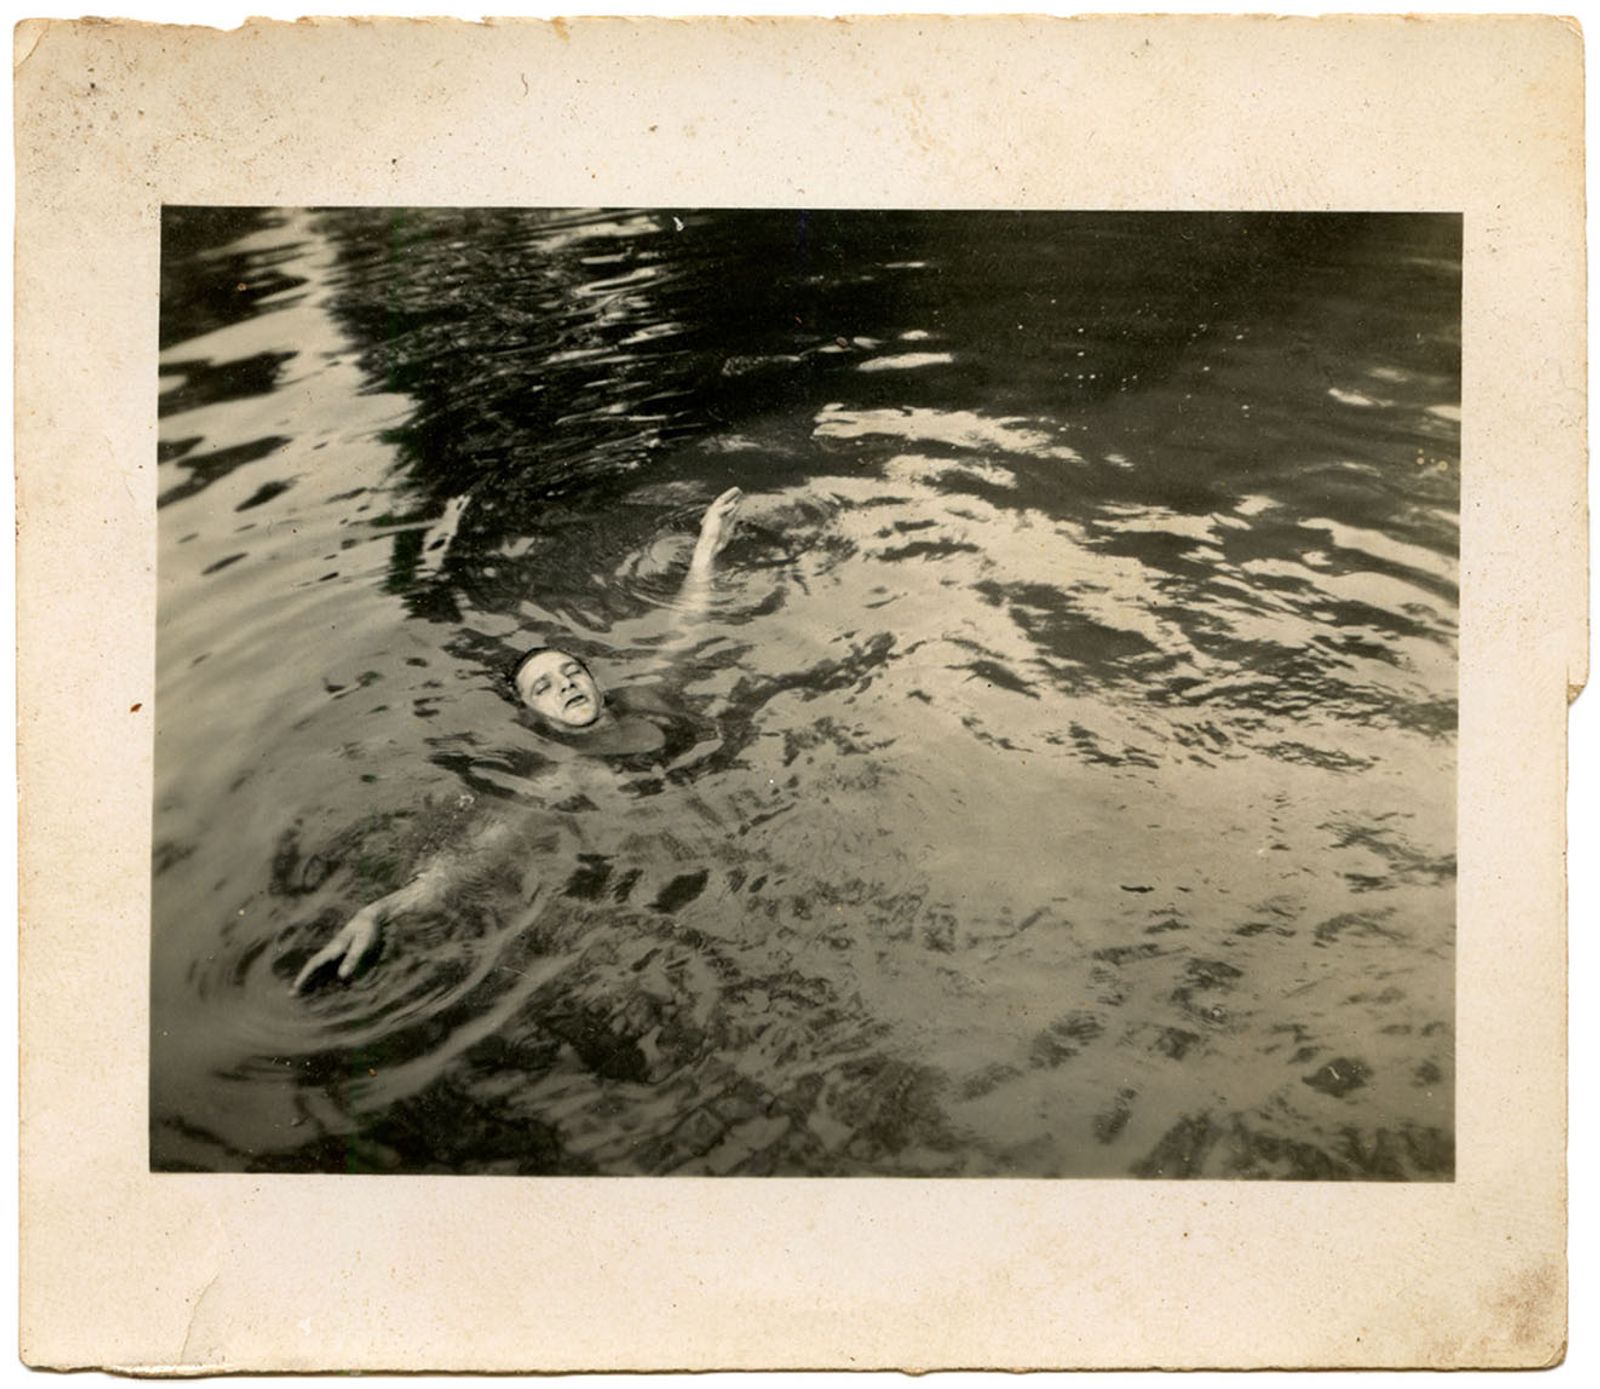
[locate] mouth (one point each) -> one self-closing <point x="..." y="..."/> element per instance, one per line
<point x="579" y="698"/>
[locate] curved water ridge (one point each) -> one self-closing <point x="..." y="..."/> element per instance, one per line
<point x="1060" y="781"/>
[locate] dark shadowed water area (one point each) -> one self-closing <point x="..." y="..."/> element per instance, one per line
<point x="1060" y="783"/>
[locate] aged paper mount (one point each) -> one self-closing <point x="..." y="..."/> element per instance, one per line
<point x="304" y="1273"/>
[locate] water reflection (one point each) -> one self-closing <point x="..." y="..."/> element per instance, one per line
<point x="1062" y="782"/>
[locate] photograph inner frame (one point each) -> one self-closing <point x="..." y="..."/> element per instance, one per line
<point x="806" y="692"/>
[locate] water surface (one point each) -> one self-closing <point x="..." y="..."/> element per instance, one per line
<point x="1061" y="783"/>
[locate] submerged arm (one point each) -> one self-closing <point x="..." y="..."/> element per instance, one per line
<point x="358" y="939"/>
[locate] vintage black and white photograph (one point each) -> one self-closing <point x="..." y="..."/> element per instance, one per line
<point x="806" y="693"/>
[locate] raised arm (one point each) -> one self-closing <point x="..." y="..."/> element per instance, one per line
<point x="679" y="625"/>
<point x="716" y="529"/>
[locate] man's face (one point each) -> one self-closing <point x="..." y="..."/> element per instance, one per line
<point x="559" y="688"/>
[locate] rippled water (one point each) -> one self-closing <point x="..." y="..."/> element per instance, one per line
<point x="1062" y="782"/>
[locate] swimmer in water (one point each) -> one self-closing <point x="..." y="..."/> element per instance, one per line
<point x="561" y="692"/>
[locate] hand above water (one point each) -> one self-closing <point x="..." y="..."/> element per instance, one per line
<point x="716" y="527"/>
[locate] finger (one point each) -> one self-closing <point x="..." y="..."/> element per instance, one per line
<point x="360" y="947"/>
<point x="324" y="957"/>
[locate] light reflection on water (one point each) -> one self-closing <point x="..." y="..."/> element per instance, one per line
<point x="1061" y="783"/>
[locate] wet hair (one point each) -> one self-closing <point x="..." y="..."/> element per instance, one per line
<point x="516" y="667"/>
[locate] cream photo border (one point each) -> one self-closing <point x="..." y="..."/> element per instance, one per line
<point x="215" y="1272"/>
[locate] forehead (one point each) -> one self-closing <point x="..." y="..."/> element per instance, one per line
<point x="546" y="663"/>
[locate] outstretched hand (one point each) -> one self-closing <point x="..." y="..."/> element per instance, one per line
<point x="359" y="936"/>
<point x="349" y="949"/>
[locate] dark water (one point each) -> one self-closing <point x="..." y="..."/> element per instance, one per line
<point x="1062" y="782"/>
